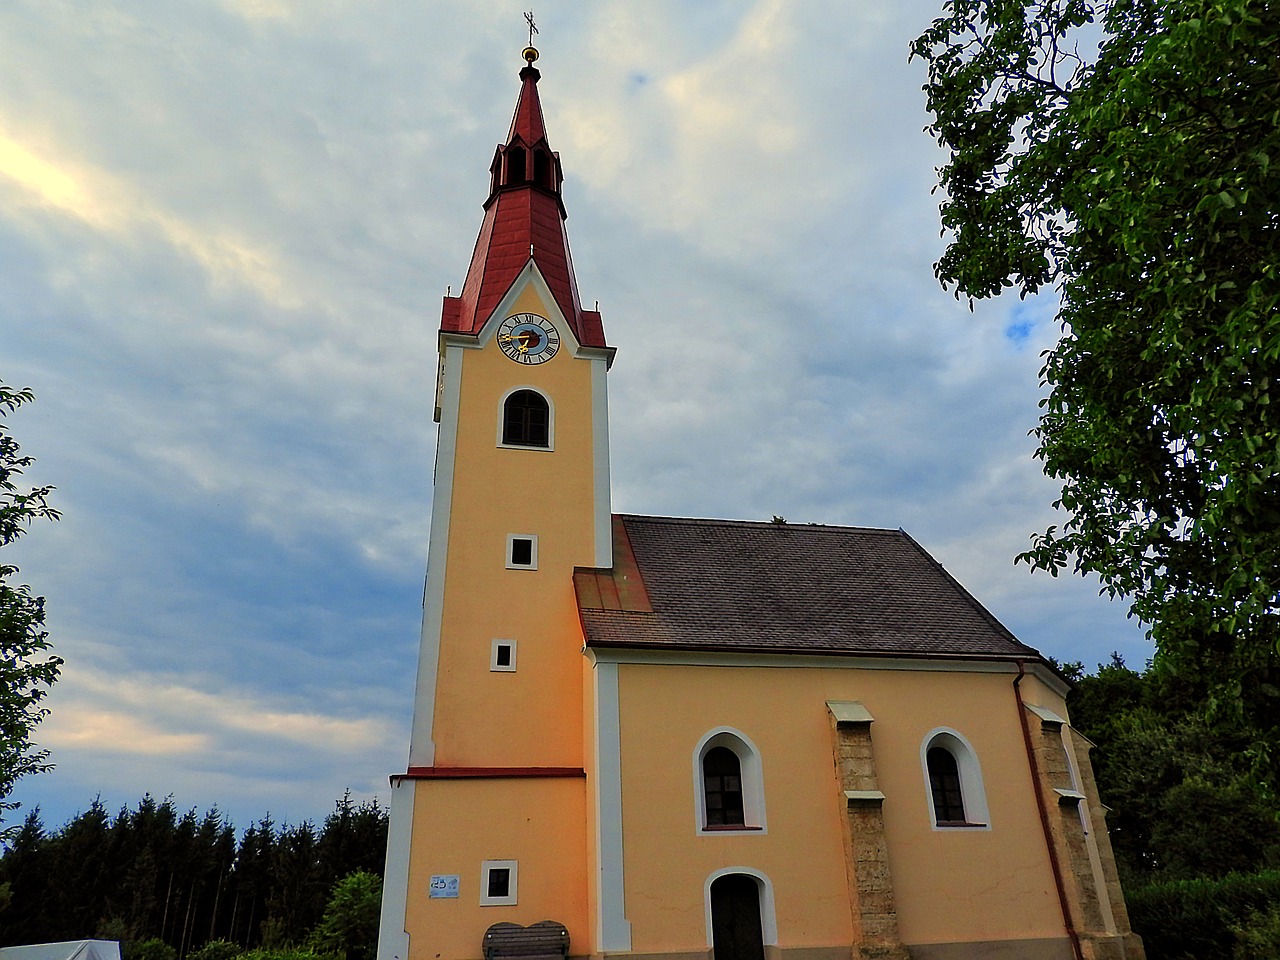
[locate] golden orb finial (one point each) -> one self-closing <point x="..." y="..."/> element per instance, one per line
<point x="530" y="53"/>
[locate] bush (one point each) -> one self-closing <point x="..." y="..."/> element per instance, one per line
<point x="284" y="953"/>
<point x="114" y="928"/>
<point x="275" y="935"/>
<point x="1260" y="939"/>
<point x="153" y="949"/>
<point x="217" y="950"/>
<point x="1207" y="919"/>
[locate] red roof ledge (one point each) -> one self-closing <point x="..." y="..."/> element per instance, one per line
<point x="488" y="773"/>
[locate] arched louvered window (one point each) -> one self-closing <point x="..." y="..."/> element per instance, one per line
<point x="516" y="172"/>
<point x="542" y="169"/>
<point x="526" y="419"/>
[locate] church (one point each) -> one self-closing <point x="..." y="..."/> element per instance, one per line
<point x="682" y="738"/>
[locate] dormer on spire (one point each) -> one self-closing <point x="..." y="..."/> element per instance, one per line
<point x="526" y="158"/>
<point x="524" y="219"/>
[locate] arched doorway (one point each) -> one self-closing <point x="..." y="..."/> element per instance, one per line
<point x="736" y="932"/>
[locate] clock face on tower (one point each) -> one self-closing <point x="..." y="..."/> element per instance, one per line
<point x="528" y="338"/>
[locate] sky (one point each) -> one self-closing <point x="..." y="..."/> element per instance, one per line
<point x="225" y="230"/>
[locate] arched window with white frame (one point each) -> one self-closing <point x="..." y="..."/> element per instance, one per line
<point x="526" y="419"/>
<point x="953" y="781"/>
<point x="728" y="783"/>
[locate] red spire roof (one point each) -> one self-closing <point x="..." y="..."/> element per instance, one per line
<point x="524" y="216"/>
<point x="527" y="121"/>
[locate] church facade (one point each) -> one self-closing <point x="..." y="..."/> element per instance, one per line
<point x="680" y="737"/>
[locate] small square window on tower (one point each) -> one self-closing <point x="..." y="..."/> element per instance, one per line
<point x="502" y="659"/>
<point x="522" y="551"/>
<point x="498" y="883"/>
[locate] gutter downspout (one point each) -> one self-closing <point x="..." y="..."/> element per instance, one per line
<point x="1044" y="816"/>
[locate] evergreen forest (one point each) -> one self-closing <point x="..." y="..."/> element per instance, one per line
<point x="168" y="884"/>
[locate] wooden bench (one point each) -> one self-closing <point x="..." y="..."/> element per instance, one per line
<point x="545" y="939"/>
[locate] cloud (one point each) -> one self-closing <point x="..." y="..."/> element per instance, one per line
<point x="226" y="227"/>
<point x="151" y="714"/>
<point x="245" y="753"/>
<point x="704" y="129"/>
<point x="77" y="728"/>
<point x="46" y="181"/>
<point x="108" y="205"/>
<point x="260" y="9"/>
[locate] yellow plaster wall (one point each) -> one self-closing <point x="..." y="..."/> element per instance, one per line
<point x="949" y="886"/>
<point x="532" y="717"/>
<point x="458" y="824"/>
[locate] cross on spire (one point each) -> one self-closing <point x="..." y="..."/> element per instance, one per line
<point x="533" y="28"/>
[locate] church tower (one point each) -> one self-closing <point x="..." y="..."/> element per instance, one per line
<point x="492" y="811"/>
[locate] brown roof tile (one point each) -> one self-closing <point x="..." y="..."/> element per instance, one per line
<point x="783" y="588"/>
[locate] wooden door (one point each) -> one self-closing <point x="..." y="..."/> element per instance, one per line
<point x="736" y="933"/>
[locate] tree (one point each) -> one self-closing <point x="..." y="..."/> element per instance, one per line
<point x="354" y="837"/>
<point x="298" y="890"/>
<point x="1155" y="760"/>
<point x="26" y="871"/>
<point x="27" y="670"/>
<point x="349" y="927"/>
<point x="1120" y="151"/>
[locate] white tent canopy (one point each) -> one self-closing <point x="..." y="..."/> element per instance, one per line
<point x="70" y="950"/>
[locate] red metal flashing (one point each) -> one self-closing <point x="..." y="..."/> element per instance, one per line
<point x="451" y="314"/>
<point x="617" y="588"/>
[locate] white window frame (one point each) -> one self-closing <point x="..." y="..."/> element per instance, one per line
<point x="513" y="868"/>
<point x="496" y="667"/>
<point x="533" y="553"/>
<point x="972" y="792"/>
<point x="752" y="775"/>
<point x="551" y="420"/>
